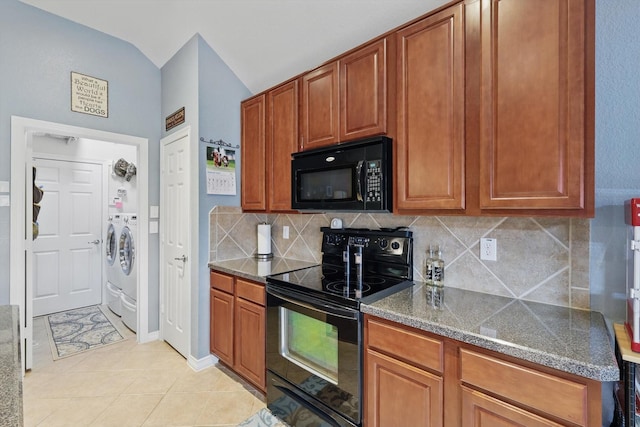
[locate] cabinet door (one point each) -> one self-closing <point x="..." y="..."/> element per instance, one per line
<point x="363" y="92"/>
<point x="480" y="410"/>
<point x="431" y="141"/>
<point x="320" y="108"/>
<point x="282" y="140"/>
<point x="253" y="149"/>
<point x="533" y="86"/>
<point x="221" y="327"/>
<point x="398" y="394"/>
<point x="250" y="341"/>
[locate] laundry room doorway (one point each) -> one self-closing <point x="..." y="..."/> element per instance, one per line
<point x="21" y="293"/>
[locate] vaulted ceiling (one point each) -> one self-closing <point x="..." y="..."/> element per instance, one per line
<point x="263" y="41"/>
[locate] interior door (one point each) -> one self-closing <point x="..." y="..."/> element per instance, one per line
<point x="67" y="255"/>
<point x="175" y="263"/>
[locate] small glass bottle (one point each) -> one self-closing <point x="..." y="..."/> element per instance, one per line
<point x="438" y="269"/>
<point x="428" y="269"/>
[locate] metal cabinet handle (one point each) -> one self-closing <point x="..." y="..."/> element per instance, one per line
<point x="95" y="242"/>
<point x="183" y="258"/>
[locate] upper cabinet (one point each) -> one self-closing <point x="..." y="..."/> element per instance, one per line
<point x="430" y="143"/>
<point x="282" y="140"/>
<point x="364" y="86"/>
<point x="536" y="105"/>
<point x="253" y="154"/>
<point x="490" y="103"/>
<point x="269" y="136"/>
<point x="320" y="111"/>
<point x="496" y="110"/>
<point x="348" y="98"/>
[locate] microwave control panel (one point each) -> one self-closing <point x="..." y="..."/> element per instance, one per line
<point x="374" y="181"/>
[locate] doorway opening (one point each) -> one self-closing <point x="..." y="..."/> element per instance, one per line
<point x="21" y="291"/>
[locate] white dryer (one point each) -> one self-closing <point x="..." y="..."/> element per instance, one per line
<point x="114" y="272"/>
<point x="129" y="269"/>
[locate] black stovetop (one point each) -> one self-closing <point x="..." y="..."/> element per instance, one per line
<point x="387" y="264"/>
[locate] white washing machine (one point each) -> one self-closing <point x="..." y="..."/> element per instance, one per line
<point x="129" y="268"/>
<point x="114" y="272"/>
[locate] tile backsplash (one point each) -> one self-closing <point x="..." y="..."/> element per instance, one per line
<point x="539" y="259"/>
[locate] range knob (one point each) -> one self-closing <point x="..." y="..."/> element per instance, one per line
<point x="383" y="243"/>
<point x="395" y="246"/>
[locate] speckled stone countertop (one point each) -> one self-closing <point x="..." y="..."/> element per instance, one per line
<point x="573" y="341"/>
<point x="10" y="368"/>
<point x="252" y="269"/>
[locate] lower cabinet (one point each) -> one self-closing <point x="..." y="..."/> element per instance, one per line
<point x="403" y="383"/>
<point x="412" y="388"/>
<point x="237" y="328"/>
<point x="481" y="410"/>
<point x="414" y="378"/>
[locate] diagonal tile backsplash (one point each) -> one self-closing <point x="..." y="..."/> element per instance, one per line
<point x="539" y="259"/>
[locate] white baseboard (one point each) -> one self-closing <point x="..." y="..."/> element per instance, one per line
<point x="203" y="363"/>
<point x="148" y="337"/>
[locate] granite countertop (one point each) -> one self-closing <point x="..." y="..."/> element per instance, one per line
<point x="10" y="367"/>
<point x="252" y="269"/>
<point x="573" y="341"/>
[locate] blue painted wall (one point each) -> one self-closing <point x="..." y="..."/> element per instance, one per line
<point x="199" y="80"/>
<point x="38" y="51"/>
<point x="617" y="149"/>
<point x="220" y="93"/>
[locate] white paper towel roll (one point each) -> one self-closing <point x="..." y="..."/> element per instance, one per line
<point x="264" y="239"/>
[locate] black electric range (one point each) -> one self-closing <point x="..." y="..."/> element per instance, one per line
<point x="358" y="266"/>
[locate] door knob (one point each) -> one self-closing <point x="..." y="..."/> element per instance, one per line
<point x="95" y="242"/>
<point x="183" y="258"/>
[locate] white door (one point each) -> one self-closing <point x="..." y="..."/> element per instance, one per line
<point x="67" y="255"/>
<point x="174" y="240"/>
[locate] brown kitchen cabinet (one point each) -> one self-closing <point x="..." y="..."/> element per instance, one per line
<point x="403" y="377"/>
<point x="430" y="143"/>
<point x="424" y="379"/>
<point x="320" y="113"/>
<point x="269" y="137"/>
<point x="237" y="328"/>
<point x="536" y="71"/>
<point x="349" y="98"/>
<point x="282" y="141"/>
<point x="496" y="110"/>
<point x="253" y="192"/>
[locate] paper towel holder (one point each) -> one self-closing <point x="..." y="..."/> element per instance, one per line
<point x="264" y="256"/>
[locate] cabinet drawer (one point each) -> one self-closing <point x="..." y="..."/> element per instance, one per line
<point x="553" y="395"/>
<point x="221" y="282"/>
<point x="407" y="345"/>
<point x="250" y="291"/>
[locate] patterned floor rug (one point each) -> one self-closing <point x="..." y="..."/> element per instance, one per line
<point x="263" y="418"/>
<point x="74" y="331"/>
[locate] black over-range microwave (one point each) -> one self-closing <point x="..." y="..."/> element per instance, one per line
<point x="353" y="176"/>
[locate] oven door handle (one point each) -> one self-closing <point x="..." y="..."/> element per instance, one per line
<point x="306" y="302"/>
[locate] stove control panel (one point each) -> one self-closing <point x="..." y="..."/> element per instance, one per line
<point x="374" y="244"/>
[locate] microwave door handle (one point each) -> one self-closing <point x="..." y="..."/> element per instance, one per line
<point x="359" y="180"/>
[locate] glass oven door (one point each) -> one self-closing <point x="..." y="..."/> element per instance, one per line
<point x="313" y="346"/>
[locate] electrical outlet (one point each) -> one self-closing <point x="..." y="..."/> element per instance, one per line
<point x="488" y="249"/>
<point x="285" y="231"/>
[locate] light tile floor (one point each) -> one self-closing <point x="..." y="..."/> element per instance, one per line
<point x="130" y="384"/>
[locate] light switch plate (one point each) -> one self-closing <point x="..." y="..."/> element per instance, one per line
<point x="5" y="200"/>
<point x="4" y="187"/>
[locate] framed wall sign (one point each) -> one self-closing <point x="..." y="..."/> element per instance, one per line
<point x="174" y="119"/>
<point x="89" y="95"/>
